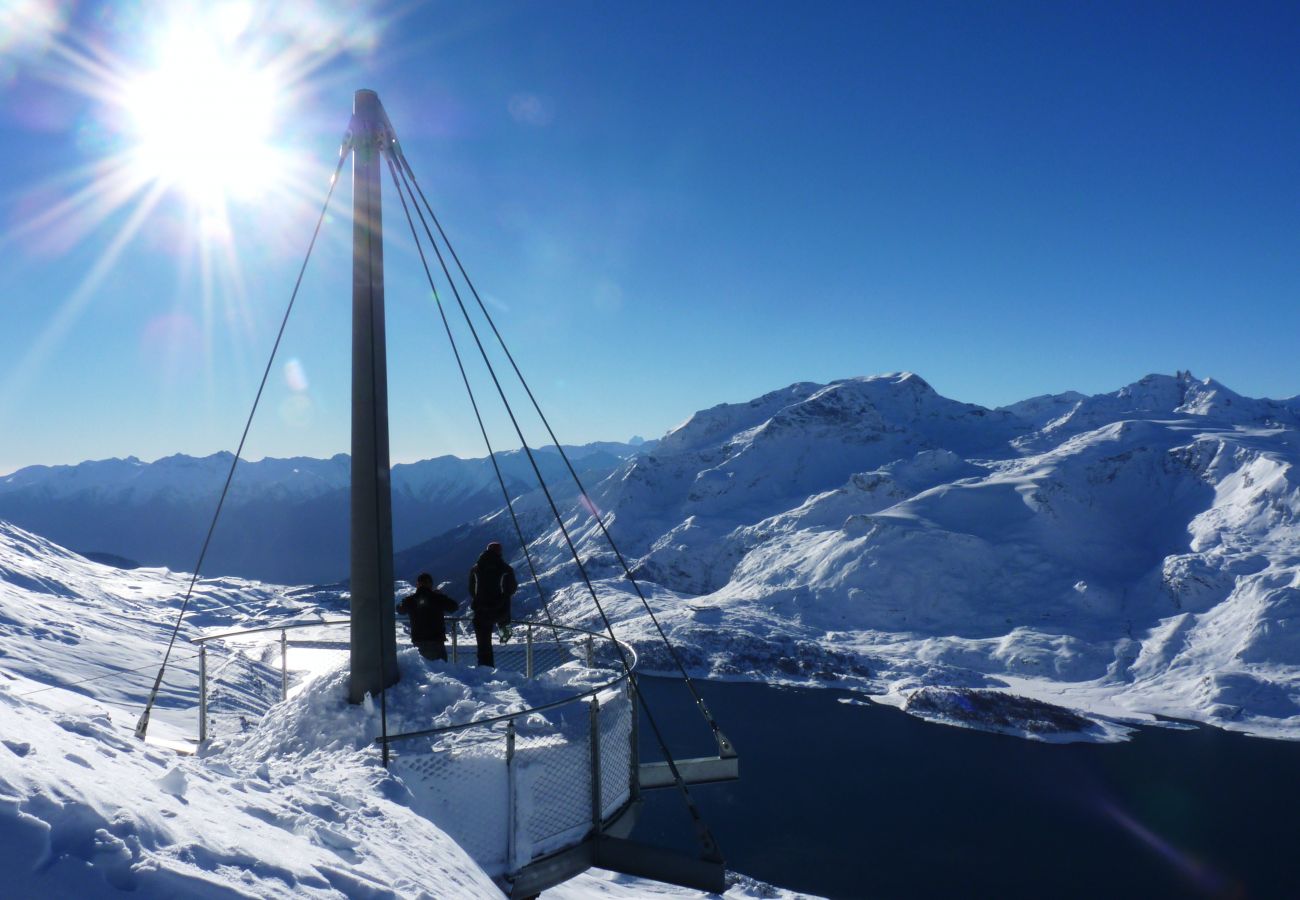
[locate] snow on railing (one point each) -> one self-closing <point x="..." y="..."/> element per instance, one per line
<point x="511" y="788"/>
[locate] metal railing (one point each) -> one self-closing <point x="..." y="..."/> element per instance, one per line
<point x="560" y="771"/>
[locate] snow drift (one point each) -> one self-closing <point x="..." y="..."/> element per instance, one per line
<point x="296" y="806"/>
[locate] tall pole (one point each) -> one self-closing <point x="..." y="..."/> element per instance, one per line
<point x="374" y="643"/>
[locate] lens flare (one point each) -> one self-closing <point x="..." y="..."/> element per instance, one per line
<point x="586" y="503"/>
<point x="295" y="376"/>
<point x="203" y="120"/>
<point x="188" y="145"/>
<point x="1196" y="873"/>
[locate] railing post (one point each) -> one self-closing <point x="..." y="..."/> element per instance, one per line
<point x="512" y="808"/>
<point x="528" y="652"/>
<point x="203" y="693"/>
<point x="591" y="653"/>
<point x="284" y="664"/>
<point x="455" y="630"/>
<point x="635" y="774"/>
<point x="595" y="765"/>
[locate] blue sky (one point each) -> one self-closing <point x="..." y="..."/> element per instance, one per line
<point x="668" y="206"/>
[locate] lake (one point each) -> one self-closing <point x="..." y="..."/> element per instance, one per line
<point x="866" y="801"/>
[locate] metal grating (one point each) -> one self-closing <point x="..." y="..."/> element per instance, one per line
<point x="464" y="789"/>
<point x="615" y="750"/>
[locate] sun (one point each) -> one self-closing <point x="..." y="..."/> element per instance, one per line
<point x="202" y="119"/>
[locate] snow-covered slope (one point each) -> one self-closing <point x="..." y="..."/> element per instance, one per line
<point x="298" y="806"/>
<point x="1131" y="553"/>
<point x="285" y="520"/>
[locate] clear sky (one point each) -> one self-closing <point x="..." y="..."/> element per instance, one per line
<point x="668" y="206"/>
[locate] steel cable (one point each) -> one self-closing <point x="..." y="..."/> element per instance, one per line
<point x="505" y="493"/>
<point x="723" y="743"/>
<point x="142" y="726"/>
<point x="710" y="846"/>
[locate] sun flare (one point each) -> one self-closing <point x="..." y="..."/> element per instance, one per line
<point x="203" y="119"/>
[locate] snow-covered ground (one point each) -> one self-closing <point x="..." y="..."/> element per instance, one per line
<point x="1123" y="556"/>
<point x="1129" y="554"/>
<point x="299" y="805"/>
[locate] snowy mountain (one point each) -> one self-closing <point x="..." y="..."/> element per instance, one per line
<point x="286" y="520"/>
<point x="1126" y="555"/>
<point x="298" y="805"/>
<point x="1130" y="553"/>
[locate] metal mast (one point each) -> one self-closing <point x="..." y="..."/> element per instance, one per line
<point x="374" y="645"/>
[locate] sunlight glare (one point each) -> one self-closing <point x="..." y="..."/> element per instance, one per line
<point x="203" y="119"/>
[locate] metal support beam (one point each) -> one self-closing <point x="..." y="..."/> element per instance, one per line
<point x="203" y="693"/>
<point x="705" y="770"/>
<point x="374" y="640"/>
<point x="634" y="770"/>
<point x="595" y="765"/>
<point x="512" y="801"/>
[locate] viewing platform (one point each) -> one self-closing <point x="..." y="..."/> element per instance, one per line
<point x="533" y="767"/>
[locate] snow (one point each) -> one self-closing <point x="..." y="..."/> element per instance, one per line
<point x="1086" y="562"/>
<point x="284" y="520"/>
<point x="1128" y="555"/>
<point x="296" y="806"/>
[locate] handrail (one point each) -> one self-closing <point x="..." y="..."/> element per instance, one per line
<point x="225" y="634"/>
<point x="605" y="812"/>
<point x="386" y="739"/>
<point x="591" y="692"/>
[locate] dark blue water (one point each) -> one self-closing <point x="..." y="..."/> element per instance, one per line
<point x="866" y="801"/>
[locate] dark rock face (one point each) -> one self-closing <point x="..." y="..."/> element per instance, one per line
<point x="986" y="708"/>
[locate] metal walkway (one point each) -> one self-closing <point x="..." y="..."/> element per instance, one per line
<point x="535" y="796"/>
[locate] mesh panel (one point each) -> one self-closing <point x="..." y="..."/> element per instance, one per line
<point x="243" y="683"/>
<point x="555" y="783"/>
<point x="244" y="679"/>
<point x="462" y="780"/>
<point x="615" y="750"/>
<point x="605" y="655"/>
<point x="461" y="784"/>
<point x="547" y="652"/>
<point x="548" y="655"/>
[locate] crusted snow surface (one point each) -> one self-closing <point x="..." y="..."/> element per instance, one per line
<point x="1128" y="554"/>
<point x="296" y="806"/>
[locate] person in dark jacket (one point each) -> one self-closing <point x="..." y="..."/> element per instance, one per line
<point x="491" y="585"/>
<point x="425" y="609"/>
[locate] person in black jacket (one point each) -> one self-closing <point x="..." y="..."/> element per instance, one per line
<point x="491" y="585"/>
<point x="425" y="608"/>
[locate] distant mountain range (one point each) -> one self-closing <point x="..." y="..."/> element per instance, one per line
<point x="1127" y="553"/>
<point x="285" y="521"/>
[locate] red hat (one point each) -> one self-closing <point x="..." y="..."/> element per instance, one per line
<point x="494" y="547"/>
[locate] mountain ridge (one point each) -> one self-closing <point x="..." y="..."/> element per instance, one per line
<point x="285" y="520"/>
<point x="1131" y="552"/>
